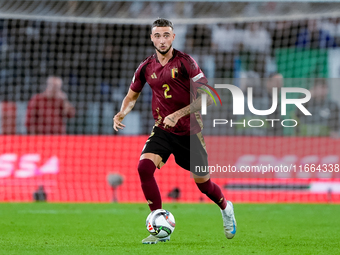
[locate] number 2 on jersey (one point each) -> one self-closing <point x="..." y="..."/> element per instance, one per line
<point x="167" y="88"/>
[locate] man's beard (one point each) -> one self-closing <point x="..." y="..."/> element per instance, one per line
<point x="163" y="52"/>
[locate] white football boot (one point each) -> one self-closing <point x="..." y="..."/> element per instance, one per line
<point x="229" y="221"/>
<point x="153" y="240"/>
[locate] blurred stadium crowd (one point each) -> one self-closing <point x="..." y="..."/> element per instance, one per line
<point x="97" y="60"/>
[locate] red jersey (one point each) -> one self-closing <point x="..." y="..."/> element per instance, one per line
<point x="45" y="115"/>
<point x="174" y="86"/>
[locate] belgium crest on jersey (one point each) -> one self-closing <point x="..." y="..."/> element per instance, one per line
<point x="174" y="72"/>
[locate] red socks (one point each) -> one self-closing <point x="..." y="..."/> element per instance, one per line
<point x="146" y="169"/>
<point x="213" y="191"/>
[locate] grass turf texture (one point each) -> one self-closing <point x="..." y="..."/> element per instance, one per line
<point x="119" y="228"/>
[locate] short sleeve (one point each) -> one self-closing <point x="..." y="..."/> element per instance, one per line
<point x="138" y="80"/>
<point x="195" y="73"/>
<point x="196" y="76"/>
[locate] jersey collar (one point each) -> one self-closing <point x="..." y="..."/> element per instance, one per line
<point x="173" y="55"/>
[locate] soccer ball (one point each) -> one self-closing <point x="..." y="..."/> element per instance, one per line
<point x="160" y="223"/>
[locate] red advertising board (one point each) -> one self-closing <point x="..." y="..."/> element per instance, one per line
<point x="75" y="169"/>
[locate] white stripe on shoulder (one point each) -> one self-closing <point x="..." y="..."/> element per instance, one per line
<point x="197" y="77"/>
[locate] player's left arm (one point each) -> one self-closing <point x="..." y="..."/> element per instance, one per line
<point x="172" y="119"/>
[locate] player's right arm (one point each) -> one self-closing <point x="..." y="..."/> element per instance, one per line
<point x="127" y="105"/>
<point x="130" y="99"/>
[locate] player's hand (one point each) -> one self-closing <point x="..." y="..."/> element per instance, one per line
<point x="61" y="95"/>
<point x="117" y="121"/>
<point x="170" y="121"/>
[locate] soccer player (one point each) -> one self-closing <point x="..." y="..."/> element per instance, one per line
<point x="174" y="78"/>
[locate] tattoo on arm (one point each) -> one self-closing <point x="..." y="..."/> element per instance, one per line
<point x="191" y="108"/>
<point x="172" y="120"/>
<point x="195" y="106"/>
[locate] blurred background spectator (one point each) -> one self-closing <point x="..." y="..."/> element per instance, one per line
<point x="47" y="110"/>
<point x="313" y="35"/>
<point x="325" y="113"/>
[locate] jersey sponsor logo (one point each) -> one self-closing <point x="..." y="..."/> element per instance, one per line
<point x="153" y="76"/>
<point x="174" y="72"/>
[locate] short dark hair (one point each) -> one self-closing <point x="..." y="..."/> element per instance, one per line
<point x="162" y="23"/>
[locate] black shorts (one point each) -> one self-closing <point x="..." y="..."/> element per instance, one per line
<point x="189" y="151"/>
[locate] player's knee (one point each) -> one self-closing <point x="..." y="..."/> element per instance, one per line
<point x="146" y="169"/>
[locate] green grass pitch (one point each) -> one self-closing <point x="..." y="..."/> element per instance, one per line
<point x="47" y="228"/>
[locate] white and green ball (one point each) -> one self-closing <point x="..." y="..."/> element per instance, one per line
<point x="160" y="223"/>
